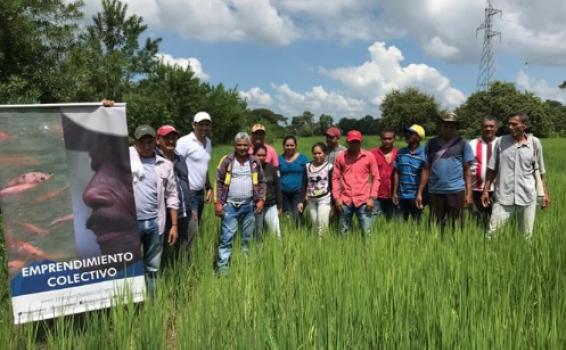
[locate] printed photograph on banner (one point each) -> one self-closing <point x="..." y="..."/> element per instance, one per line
<point x="68" y="210"/>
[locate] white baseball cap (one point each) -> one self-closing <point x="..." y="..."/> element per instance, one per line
<point x="200" y="116"/>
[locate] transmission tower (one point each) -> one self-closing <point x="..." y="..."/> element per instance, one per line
<point x="487" y="62"/>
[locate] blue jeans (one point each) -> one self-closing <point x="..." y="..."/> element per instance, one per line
<point x="364" y="218"/>
<point x="152" y="243"/>
<point x="234" y="215"/>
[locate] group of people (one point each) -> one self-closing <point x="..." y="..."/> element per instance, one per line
<point x="497" y="176"/>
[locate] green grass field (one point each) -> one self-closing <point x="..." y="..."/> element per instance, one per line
<point x="405" y="287"/>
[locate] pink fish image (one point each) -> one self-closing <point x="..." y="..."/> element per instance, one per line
<point x="24" y="182"/>
<point x="4" y="136"/>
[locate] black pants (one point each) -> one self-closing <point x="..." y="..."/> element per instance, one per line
<point x="387" y="207"/>
<point x="409" y="208"/>
<point x="447" y="208"/>
<point x="482" y="214"/>
<point x="290" y="202"/>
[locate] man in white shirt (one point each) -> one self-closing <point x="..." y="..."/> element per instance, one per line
<point x="482" y="147"/>
<point x="196" y="147"/>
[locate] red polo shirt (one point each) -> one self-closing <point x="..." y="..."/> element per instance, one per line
<point x="385" y="171"/>
<point x="352" y="178"/>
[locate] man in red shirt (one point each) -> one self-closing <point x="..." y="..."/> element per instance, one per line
<point x="355" y="182"/>
<point x="385" y="156"/>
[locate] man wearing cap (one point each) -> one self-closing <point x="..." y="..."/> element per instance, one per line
<point x="355" y="182"/>
<point x="196" y="147"/>
<point x="483" y="150"/>
<point x="408" y="165"/>
<point x="258" y="139"/>
<point x="155" y="190"/>
<point x="447" y="173"/>
<point x="333" y="146"/>
<point x="167" y="137"/>
<point x="385" y="157"/>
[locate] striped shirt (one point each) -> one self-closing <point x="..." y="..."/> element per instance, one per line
<point x="482" y="154"/>
<point x="409" y="165"/>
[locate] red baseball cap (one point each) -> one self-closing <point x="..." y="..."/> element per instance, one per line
<point x="333" y="132"/>
<point x="354" y="135"/>
<point x="165" y="130"/>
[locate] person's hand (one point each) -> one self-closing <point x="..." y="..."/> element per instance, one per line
<point x="107" y="103"/>
<point x="300" y="207"/>
<point x="395" y="199"/>
<point x="259" y="206"/>
<point x="369" y="204"/>
<point x="485" y="199"/>
<point x="419" y="201"/>
<point x="173" y="235"/>
<point x="338" y="205"/>
<point x="208" y="198"/>
<point x="468" y="200"/>
<point x="546" y="201"/>
<point x="219" y="210"/>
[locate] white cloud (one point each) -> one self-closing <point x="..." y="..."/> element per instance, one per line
<point x="192" y="62"/>
<point x="540" y="88"/>
<point x="445" y="29"/>
<point x="318" y="101"/>
<point x="373" y="79"/>
<point x="256" y="97"/>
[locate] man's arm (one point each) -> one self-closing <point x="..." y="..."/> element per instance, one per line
<point x="425" y="173"/>
<point x="468" y="199"/>
<point x="172" y="203"/>
<point x="395" y="185"/>
<point x="336" y="183"/>
<point x="375" y="181"/>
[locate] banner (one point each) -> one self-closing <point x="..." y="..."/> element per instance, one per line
<point x="68" y="209"/>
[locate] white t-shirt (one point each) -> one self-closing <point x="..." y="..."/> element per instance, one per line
<point x="197" y="158"/>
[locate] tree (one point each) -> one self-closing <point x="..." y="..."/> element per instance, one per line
<point x="109" y="58"/>
<point x="274" y="122"/>
<point x="35" y="37"/>
<point x="401" y="109"/>
<point x="302" y="125"/>
<point x="325" y="121"/>
<point x="499" y="101"/>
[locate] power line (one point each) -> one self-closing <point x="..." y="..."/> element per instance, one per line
<point x="487" y="62"/>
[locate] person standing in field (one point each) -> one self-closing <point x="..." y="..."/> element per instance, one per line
<point x="355" y="182"/>
<point x="385" y="157"/>
<point x="258" y="139"/>
<point x="318" y="180"/>
<point x="155" y="191"/>
<point x="273" y="197"/>
<point x="408" y="166"/>
<point x="333" y="146"/>
<point x="292" y="171"/>
<point x="447" y="173"/>
<point x="483" y="151"/>
<point x="167" y="137"/>
<point x="196" y="147"/>
<point x="239" y="196"/>
<point x="516" y="159"/>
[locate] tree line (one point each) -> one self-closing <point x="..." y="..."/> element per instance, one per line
<point x="49" y="55"/>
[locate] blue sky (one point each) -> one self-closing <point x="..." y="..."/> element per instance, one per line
<point x="341" y="57"/>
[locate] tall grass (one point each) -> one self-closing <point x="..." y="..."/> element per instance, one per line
<point x="404" y="287"/>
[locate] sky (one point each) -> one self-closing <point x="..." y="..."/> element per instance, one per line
<point x="341" y="57"/>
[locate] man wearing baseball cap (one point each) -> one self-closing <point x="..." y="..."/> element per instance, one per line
<point x="167" y="137"/>
<point x="447" y="173"/>
<point x="407" y="173"/>
<point x="385" y="156"/>
<point x="333" y="146"/>
<point x="196" y="147"/>
<point x="355" y="182"/>
<point x="258" y="139"/>
<point x="155" y="193"/>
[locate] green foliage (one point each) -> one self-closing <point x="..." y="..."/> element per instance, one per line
<point x="275" y="123"/>
<point x="405" y="287"/>
<point x="35" y="37"/>
<point x="401" y="109"/>
<point x="367" y="125"/>
<point x="499" y="101"/>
